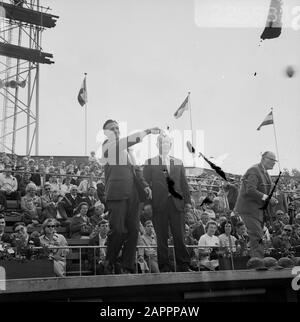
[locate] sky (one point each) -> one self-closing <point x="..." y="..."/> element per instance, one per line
<point x="142" y="57"/>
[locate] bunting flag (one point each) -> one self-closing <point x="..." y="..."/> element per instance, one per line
<point x="268" y="120"/>
<point x="218" y="169"/>
<point x="183" y="107"/>
<point x="274" y="22"/>
<point x="82" y="95"/>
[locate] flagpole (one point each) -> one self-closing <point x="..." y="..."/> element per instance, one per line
<point x="191" y="124"/>
<point x="85" y="123"/>
<point x="276" y="143"/>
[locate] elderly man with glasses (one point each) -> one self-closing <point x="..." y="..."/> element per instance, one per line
<point x="255" y="188"/>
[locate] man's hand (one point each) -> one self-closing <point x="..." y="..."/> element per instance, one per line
<point x="148" y="192"/>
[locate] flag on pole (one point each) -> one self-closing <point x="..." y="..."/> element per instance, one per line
<point x="268" y="120"/>
<point x="82" y="95"/>
<point x="183" y="107"/>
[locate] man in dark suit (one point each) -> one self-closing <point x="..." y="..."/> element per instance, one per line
<point x="91" y="200"/>
<point x="166" y="208"/>
<point x="69" y="203"/>
<point x="4" y="237"/>
<point x="256" y="185"/>
<point x="123" y="180"/>
<point x="96" y="257"/>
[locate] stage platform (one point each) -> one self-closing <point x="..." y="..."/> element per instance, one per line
<point x="242" y="285"/>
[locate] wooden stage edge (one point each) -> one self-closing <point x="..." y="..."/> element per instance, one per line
<point x="163" y="286"/>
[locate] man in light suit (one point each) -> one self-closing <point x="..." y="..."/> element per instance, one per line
<point x="166" y="208"/>
<point x="255" y="188"/>
<point x="123" y="180"/>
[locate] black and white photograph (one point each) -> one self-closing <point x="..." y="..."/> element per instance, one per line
<point x="149" y="154"/>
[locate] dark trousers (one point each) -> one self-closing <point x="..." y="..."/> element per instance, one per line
<point x="255" y="232"/>
<point x="124" y="229"/>
<point x="161" y="220"/>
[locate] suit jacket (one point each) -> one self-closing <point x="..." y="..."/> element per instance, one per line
<point x="68" y="204"/>
<point x="119" y="172"/>
<point x="91" y="204"/>
<point x="6" y="238"/>
<point x="255" y="183"/>
<point x="154" y="175"/>
<point x="97" y="254"/>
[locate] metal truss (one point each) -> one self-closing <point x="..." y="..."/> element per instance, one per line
<point x="20" y="58"/>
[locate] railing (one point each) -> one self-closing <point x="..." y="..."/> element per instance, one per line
<point x="208" y="249"/>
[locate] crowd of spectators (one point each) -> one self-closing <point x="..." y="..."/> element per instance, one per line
<point x="50" y="194"/>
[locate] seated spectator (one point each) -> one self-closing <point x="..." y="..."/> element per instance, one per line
<point x="149" y="253"/>
<point x="209" y="242"/>
<point x="51" y="238"/>
<point x="97" y="256"/>
<point x="220" y="221"/>
<point x="197" y="212"/>
<point x="69" y="203"/>
<point x="146" y="213"/>
<point x="283" y="242"/>
<point x="91" y="200"/>
<point x="285" y="219"/>
<point x="193" y="252"/>
<point x="80" y="226"/>
<point x="296" y="236"/>
<point x="52" y="180"/>
<point x="277" y="225"/>
<point x="226" y="239"/>
<point x="86" y="183"/>
<point x="190" y="216"/>
<point x="242" y="238"/>
<point x="21" y="238"/>
<point x="98" y="214"/>
<point x="66" y="186"/>
<point x="32" y="206"/>
<point x="49" y="201"/>
<point x="92" y="157"/>
<point x="9" y="186"/>
<point x="39" y="178"/>
<point x="207" y="207"/>
<point x="199" y="229"/>
<point x="4" y="237"/>
<point x="24" y="181"/>
<point x="297" y="219"/>
<point x="235" y="218"/>
<point x="101" y="191"/>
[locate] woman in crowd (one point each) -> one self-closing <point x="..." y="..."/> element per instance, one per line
<point x="80" y="224"/>
<point x="227" y="240"/>
<point x="31" y="206"/>
<point x="51" y="238"/>
<point x="208" y="245"/>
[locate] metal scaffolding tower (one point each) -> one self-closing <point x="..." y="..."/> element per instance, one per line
<point x="22" y="23"/>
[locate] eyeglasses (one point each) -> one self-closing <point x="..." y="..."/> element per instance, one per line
<point x="51" y="226"/>
<point x="289" y="230"/>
